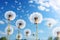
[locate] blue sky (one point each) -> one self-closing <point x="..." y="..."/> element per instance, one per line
<point x="23" y="9"/>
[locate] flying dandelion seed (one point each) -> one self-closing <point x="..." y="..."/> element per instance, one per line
<point x="9" y="30"/>
<point x="20" y="23"/>
<point x="30" y="1"/>
<point x="2" y="8"/>
<point x="35" y="15"/>
<point x="27" y="32"/>
<point x="16" y="1"/>
<point x="10" y="15"/>
<point x="19" y="36"/>
<point x="55" y="30"/>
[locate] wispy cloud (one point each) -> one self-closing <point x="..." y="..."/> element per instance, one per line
<point x="44" y="5"/>
<point x="2" y="22"/>
<point x="41" y="8"/>
<point x="3" y="33"/>
<point x="55" y="4"/>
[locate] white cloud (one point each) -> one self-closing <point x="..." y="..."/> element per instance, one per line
<point x="42" y="2"/>
<point x="55" y="4"/>
<point x="47" y="10"/>
<point x="46" y="4"/>
<point x="41" y="8"/>
<point x="2" y="22"/>
<point x="3" y="33"/>
<point x="39" y="1"/>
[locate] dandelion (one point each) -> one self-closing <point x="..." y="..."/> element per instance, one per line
<point x="9" y="30"/>
<point x="19" y="36"/>
<point x="27" y="32"/>
<point x="51" y="22"/>
<point x="55" y="31"/>
<point x="36" y="17"/>
<point x="20" y="23"/>
<point x="10" y="15"/>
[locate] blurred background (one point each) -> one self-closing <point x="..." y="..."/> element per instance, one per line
<point x="48" y="28"/>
